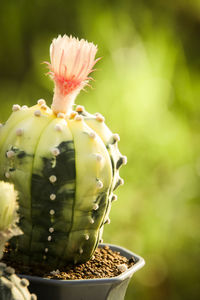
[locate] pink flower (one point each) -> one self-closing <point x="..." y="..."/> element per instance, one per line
<point x="71" y="63"/>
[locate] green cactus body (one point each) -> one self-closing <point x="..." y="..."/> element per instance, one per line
<point x="65" y="172"/>
<point x="8" y="214"/>
<point x="12" y="287"/>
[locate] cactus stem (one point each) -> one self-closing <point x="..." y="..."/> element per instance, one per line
<point x="46" y="250"/>
<point x="99" y="117"/>
<point x="7" y="175"/>
<point x="87" y="237"/>
<point x="51" y="229"/>
<point x="99" y="184"/>
<point x="52" y="178"/>
<point x="58" y="127"/>
<point x="101" y="241"/>
<point x="61" y="115"/>
<point x="16" y="107"/>
<point x="19" y="131"/>
<point x="95" y="206"/>
<point x="37" y="113"/>
<point x="55" y="151"/>
<point x="49" y="238"/>
<point x="41" y="101"/>
<point x="92" y="135"/>
<point x="78" y="118"/>
<point x="79" y="108"/>
<point x="52" y="212"/>
<point x="52" y="197"/>
<point x="10" y="154"/>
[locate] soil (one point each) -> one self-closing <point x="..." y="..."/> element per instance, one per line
<point x="104" y="264"/>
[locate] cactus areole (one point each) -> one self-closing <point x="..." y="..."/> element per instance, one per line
<point x="64" y="163"/>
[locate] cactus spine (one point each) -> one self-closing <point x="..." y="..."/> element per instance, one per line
<point x="64" y="162"/>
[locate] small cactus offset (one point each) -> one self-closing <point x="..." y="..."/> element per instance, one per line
<point x="64" y="162"/>
<point x="12" y="287"/>
<point x="8" y="214"/>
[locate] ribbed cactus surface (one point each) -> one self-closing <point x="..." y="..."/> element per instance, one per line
<point x="65" y="170"/>
<point x="12" y="287"/>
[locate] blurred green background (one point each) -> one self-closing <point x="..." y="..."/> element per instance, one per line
<point x="147" y="86"/>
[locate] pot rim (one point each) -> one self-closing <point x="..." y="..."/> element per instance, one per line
<point x="140" y="262"/>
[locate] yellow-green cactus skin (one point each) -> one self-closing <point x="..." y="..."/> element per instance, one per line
<point x="64" y="162"/>
<point x="8" y="214"/>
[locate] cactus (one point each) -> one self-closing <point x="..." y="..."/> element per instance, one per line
<point x="12" y="287"/>
<point x="8" y="214"/>
<point x="64" y="162"/>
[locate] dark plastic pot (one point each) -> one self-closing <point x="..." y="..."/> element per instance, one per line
<point x="87" y="289"/>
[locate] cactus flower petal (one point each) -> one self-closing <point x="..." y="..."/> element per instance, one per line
<point x="72" y="60"/>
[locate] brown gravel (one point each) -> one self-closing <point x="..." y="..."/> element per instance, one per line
<point x="105" y="263"/>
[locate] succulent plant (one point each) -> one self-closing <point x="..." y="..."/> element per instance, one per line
<point x="8" y="214"/>
<point x="12" y="287"/>
<point x="64" y="162"/>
